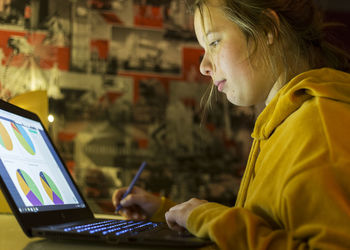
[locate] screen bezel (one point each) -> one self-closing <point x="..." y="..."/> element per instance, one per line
<point x="43" y="218"/>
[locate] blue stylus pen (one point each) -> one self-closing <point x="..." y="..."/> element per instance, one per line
<point x="132" y="184"/>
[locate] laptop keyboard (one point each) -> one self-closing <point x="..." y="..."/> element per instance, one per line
<point x="113" y="227"/>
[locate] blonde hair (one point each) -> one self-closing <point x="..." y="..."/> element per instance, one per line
<point x="299" y="34"/>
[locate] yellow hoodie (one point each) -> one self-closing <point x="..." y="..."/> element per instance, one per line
<point x="295" y="193"/>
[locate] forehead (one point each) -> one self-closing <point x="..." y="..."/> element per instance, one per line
<point x="210" y="15"/>
<point x="203" y="17"/>
<point x="210" y="18"/>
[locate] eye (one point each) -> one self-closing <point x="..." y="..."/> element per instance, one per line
<point x="214" y="43"/>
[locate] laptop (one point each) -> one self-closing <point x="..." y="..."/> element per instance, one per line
<point x="47" y="202"/>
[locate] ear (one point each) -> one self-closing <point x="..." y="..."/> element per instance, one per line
<point x="269" y="38"/>
<point x="276" y="20"/>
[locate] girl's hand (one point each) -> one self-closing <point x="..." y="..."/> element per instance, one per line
<point x="177" y="216"/>
<point x="138" y="205"/>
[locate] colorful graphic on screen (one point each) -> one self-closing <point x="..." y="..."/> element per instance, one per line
<point x="23" y="138"/>
<point x="5" y="139"/>
<point x="29" y="188"/>
<point x="51" y="189"/>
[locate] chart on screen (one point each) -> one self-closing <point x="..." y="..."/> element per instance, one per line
<point x="51" y="189"/>
<point x="29" y="188"/>
<point x="23" y="138"/>
<point x="5" y="139"/>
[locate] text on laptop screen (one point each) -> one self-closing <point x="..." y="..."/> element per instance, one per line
<point x="31" y="169"/>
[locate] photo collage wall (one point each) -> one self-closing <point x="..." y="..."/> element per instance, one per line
<point x="129" y="90"/>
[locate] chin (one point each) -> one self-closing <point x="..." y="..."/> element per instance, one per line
<point x="237" y="101"/>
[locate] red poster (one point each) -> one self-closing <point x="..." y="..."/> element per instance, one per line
<point x="148" y="15"/>
<point x="192" y="57"/>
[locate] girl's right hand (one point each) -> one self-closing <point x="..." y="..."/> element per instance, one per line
<point x="138" y="205"/>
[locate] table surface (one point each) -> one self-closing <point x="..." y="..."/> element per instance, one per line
<point x="13" y="238"/>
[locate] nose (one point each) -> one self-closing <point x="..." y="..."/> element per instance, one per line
<point x="205" y="67"/>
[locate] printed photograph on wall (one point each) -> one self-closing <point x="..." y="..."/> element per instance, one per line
<point x="150" y="100"/>
<point x="149" y="13"/>
<point x="11" y="13"/>
<point x="178" y="23"/>
<point x="170" y="15"/>
<point x="28" y="14"/>
<point x="118" y="12"/>
<point x="28" y="62"/>
<point x="145" y="51"/>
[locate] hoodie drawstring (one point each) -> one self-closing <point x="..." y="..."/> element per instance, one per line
<point x="249" y="174"/>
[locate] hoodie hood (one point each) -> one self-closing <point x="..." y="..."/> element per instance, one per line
<point x="319" y="83"/>
<point x="325" y="83"/>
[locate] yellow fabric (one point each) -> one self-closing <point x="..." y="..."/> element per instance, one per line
<point x="4" y="207"/>
<point x="159" y="216"/>
<point x="34" y="101"/>
<point x="295" y="193"/>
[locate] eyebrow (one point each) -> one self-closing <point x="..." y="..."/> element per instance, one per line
<point x="209" y="32"/>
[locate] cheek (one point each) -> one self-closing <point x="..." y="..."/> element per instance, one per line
<point x="224" y="60"/>
<point x="232" y="58"/>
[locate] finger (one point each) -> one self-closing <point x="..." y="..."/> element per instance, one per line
<point x="128" y="212"/>
<point x="117" y="195"/>
<point x="138" y="216"/>
<point x="133" y="212"/>
<point x="136" y="213"/>
<point x="171" y="221"/>
<point x="130" y="207"/>
<point x="176" y="227"/>
<point x="125" y="212"/>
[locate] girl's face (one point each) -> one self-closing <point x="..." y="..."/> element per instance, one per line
<point x="226" y="60"/>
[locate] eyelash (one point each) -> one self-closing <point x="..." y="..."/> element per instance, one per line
<point x="214" y="43"/>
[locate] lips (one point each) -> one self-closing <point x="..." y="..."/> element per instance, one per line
<point x="220" y="84"/>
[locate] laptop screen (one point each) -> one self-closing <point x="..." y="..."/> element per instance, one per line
<point x="31" y="168"/>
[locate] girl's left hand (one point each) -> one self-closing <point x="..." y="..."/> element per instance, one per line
<point x="177" y="216"/>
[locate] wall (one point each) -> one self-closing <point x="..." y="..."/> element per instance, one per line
<point x="125" y="87"/>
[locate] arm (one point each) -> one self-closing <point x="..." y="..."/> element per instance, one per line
<point x="314" y="213"/>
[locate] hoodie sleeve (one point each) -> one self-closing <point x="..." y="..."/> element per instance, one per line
<point x="237" y="228"/>
<point x="159" y="215"/>
<point x="314" y="212"/>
